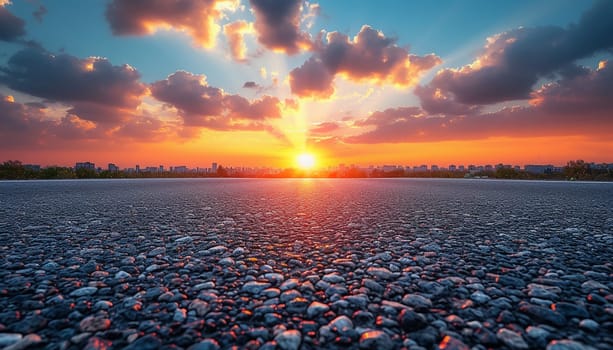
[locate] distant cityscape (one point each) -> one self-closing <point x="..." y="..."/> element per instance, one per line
<point x="573" y="170"/>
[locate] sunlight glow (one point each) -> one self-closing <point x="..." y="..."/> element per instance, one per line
<point x="305" y="161"/>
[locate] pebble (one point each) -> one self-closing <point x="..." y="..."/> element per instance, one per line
<point x="94" y="324"/>
<point x="316" y="308"/>
<point x="9" y="338"/>
<point x="411" y="321"/>
<point x="543" y="314"/>
<point x="480" y="297"/>
<point x="418" y="302"/>
<point x="25" y="342"/>
<point x="289" y="340"/>
<point x="511" y="339"/>
<point x="566" y="344"/>
<point x="450" y="343"/>
<point x="589" y="325"/>
<point x="380" y="272"/>
<point x="375" y="340"/>
<point x="206" y="344"/>
<point x="340" y="323"/>
<point x="254" y="287"/>
<point x="85" y="291"/>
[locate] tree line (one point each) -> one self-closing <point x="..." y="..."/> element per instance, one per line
<point x="574" y="170"/>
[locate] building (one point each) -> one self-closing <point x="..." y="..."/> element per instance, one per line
<point x="452" y="167"/>
<point x="214" y="167"/>
<point x="181" y="169"/>
<point x="113" y="168"/>
<point x="85" y="165"/>
<point x="539" y="169"/>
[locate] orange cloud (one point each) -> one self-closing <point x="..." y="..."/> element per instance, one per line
<point x="235" y="32"/>
<point x="199" y="19"/>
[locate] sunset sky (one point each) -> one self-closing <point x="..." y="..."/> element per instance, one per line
<point x="257" y="82"/>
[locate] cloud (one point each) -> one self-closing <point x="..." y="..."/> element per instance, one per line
<point x="277" y="24"/>
<point x="438" y="101"/>
<point x="312" y="79"/>
<point x="324" y="128"/>
<point x="146" y="128"/>
<point x="199" y="19"/>
<point x="202" y="105"/>
<point x="370" y="56"/>
<point x="29" y="126"/>
<point x="512" y="62"/>
<point x="19" y="123"/>
<point x="68" y="79"/>
<point x="235" y="32"/>
<point x="590" y="91"/>
<point x="11" y="26"/>
<point x="251" y="85"/>
<point x="40" y="13"/>
<point x="579" y="104"/>
<point x="100" y="97"/>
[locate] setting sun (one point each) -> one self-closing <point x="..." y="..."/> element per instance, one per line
<point x="305" y="161"/>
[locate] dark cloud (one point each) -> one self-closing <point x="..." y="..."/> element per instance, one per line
<point x="202" y="105"/>
<point x="28" y="126"/>
<point x="68" y="79"/>
<point x="17" y="118"/>
<point x="251" y="85"/>
<point x="40" y="13"/>
<point x="100" y="114"/>
<point x="370" y="56"/>
<point x="140" y="17"/>
<point x="573" y="106"/>
<point x="11" y="26"/>
<point x="438" y="101"/>
<point x="581" y="93"/>
<point x="324" y="128"/>
<point x="312" y="79"/>
<point x="277" y="24"/>
<point x="190" y="94"/>
<point x="512" y="62"/>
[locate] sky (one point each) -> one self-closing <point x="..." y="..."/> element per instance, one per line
<point x="257" y="82"/>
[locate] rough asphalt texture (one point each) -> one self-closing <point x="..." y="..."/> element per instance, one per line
<point x="306" y="264"/>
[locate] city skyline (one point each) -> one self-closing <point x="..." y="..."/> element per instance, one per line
<point x="142" y="167"/>
<point x="249" y="83"/>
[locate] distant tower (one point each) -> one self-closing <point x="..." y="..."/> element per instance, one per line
<point x="137" y="168"/>
<point x="214" y="167"/>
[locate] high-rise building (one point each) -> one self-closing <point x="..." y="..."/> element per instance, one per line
<point x="214" y="167"/>
<point x="113" y="168"/>
<point x="85" y="165"/>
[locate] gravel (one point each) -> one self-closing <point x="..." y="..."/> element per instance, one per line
<point x="306" y="264"/>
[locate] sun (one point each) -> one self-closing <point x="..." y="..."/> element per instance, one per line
<point x="305" y="161"/>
